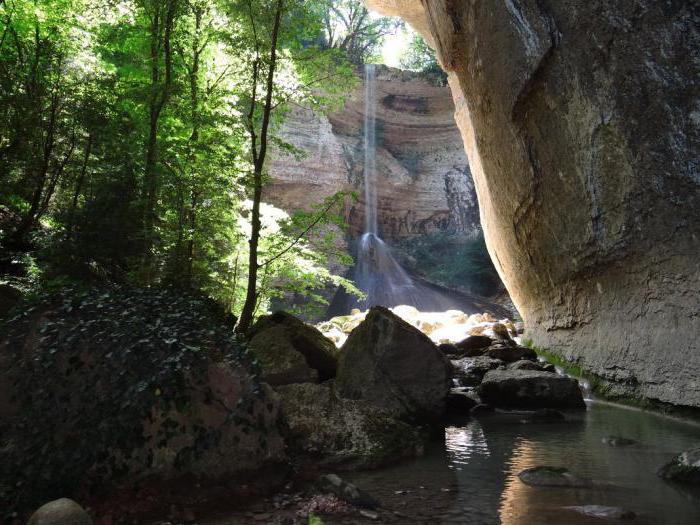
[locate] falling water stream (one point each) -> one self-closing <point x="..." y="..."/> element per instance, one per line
<point x="377" y="272"/>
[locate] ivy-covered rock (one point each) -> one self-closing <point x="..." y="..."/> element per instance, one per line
<point x="291" y="351"/>
<point x="114" y="387"/>
<point x="325" y="429"/>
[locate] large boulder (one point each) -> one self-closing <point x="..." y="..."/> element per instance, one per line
<point x="152" y="389"/>
<point x="291" y="351"/>
<point x="530" y="389"/>
<point x="325" y="429"/>
<point x="392" y="365"/>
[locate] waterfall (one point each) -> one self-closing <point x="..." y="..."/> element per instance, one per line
<point x="370" y="145"/>
<point x="377" y="273"/>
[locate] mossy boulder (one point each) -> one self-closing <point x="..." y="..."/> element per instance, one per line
<point x="324" y="429"/>
<point x="291" y="351"/>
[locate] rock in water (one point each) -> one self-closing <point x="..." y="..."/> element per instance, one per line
<point x="394" y="366"/>
<point x="618" y="441"/>
<point x="525" y="364"/>
<point x="473" y="346"/>
<point x="461" y="401"/>
<point x="510" y="352"/>
<point x="530" y="389"/>
<point x="603" y="512"/>
<point x="546" y="476"/>
<point x="328" y="430"/>
<point x="470" y="371"/>
<point x="684" y="468"/>
<point x="347" y="491"/>
<point x="275" y="338"/>
<point x="62" y="511"/>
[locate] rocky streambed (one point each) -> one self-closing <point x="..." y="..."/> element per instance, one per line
<point x="416" y="418"/>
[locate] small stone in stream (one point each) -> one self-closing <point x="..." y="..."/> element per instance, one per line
<point x="460" y="401"/>
<point x="510" y="353"/>
<point x="603" y="512"/>
<point x="400" y="492"/>
<point x="347" y="491"/>
<point x="545" y="415"/>
<point x="473" y="345"/>
<point x="519" y="327"/>
<point x="618" y="441"/>
<point x="546" y="476"/>
<point x="525" y="364"/>
<point x="369" y="514"/>
<point x="549" y="367"/>
<point x="482" y="409"/>
<point x="684" y="468"/>
<point x="62" y="511"/>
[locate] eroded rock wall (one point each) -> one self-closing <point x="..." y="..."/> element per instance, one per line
<point x="581" y="121"/>
<point x="424" y="184"/>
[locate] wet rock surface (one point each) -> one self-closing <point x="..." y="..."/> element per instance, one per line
<point x="684" y="468"/>
<point x="530" y="389"/>
<point x="619" y="441"/>
<point x="378" y="365"/>
<point x="461" y="400"/>
<point x="546" y="476"/>
<point x="603" y="512"/>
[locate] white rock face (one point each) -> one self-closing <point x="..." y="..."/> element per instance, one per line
<point x="424" y="185"/>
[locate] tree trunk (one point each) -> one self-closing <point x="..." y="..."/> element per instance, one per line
<point x="251" y="298"/>
<point x="78" y="189"/>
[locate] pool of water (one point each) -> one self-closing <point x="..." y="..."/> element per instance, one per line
<point x="472" y="476"/>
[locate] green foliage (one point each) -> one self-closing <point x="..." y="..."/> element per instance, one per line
<point x="315" y="520"/>
<point x="125" y="138"/>
<point x="98" y="363"/>
<point x="349" y="27"/>
<point x="444" y="259"/>
<point x="420" y="57"/>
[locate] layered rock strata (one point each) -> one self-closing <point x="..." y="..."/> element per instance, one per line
<point x="423" y="180"/>
<point x="581" y="121"/>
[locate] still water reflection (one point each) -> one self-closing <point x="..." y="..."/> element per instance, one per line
<point x="472" y="477"/>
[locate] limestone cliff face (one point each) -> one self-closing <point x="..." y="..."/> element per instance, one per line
<point x="581" y="120"/>
<point x="424" y="184"/>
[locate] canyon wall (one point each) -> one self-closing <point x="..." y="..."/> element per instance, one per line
<point x="423" y="180"/>
<point x="581" y="120"/>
